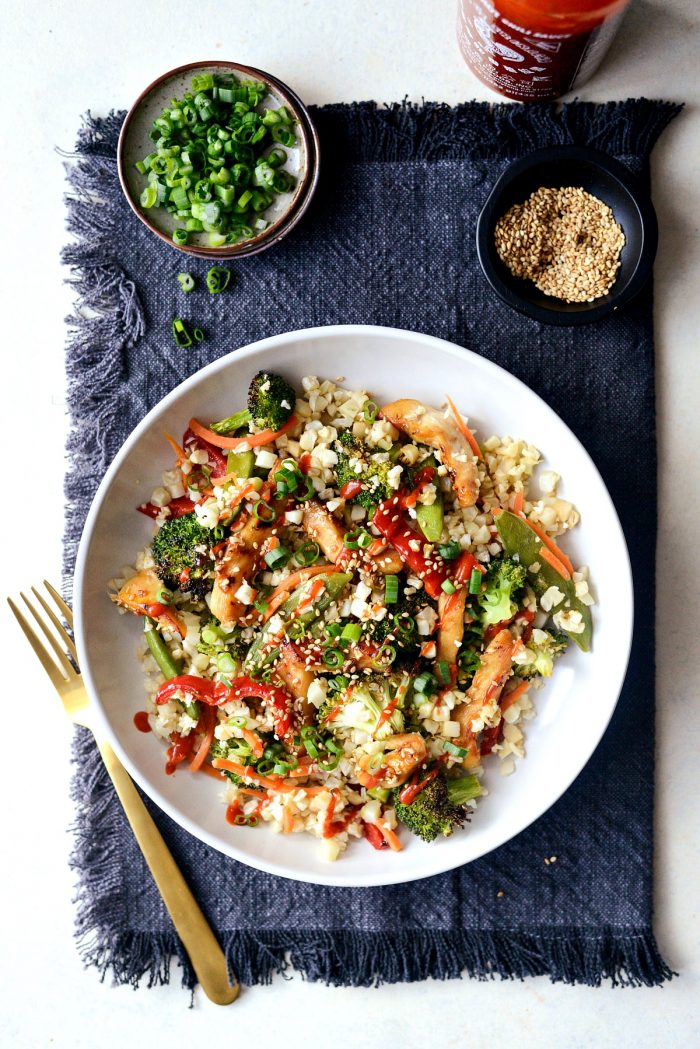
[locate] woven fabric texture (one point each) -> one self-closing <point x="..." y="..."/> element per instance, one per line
<point x="389" y="239"/>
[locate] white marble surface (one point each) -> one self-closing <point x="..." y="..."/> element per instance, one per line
<point x="58" y="58"/>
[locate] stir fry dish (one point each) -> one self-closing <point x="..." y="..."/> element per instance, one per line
<point x="348" y="608"/>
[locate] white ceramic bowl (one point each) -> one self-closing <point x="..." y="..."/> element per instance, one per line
<point x="573" y="709"/>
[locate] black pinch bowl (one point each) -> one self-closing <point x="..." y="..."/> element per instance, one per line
<point x="605" y="178"/>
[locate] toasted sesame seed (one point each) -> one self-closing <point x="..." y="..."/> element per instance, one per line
<point x="564" y="240"/>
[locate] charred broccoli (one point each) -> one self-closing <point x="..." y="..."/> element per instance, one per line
<point x="439" y="808"/>
<point x="356" y="463"/>
<point x="542" y="649"/>
<point x="182" y="553"/>
<point x="271" y="402"/>
<point x="504" y="578"/>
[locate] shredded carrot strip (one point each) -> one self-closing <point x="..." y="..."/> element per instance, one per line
<point x="254" y="793"/>
<point x="209" y="771"/>
<point x="518" y="501"/>
<point x="390" y="838"/>
<point x="554" y="561"/>
<point x="253" y="440"/>
<point x="275" y="783"/>
<point x="376" y="548"/>
<point x="549" y="543"/>
<point x="209" y="718"/>
<point x="279" y="595"/>
<point x="179" y="452"/>
<point x="510" y="697"/>
<point x="253" y="741"/>
<point x="465" y="431"/>
<point x="287" y="822"/>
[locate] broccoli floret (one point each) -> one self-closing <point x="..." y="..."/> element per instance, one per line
<point x="432" y="813"/>
<point x="398" y="623"/>
<point x="220" y="750"/>
<point x="228" y="650"/>
<point x="504" y="578"/>
<point x="373" y="474"/>
<point x="361" y="707"/>
<point x="542" y="653"/>
<point x="271" y="401"/>
<point x="181" y="550"/>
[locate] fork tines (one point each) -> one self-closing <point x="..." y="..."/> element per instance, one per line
<point x="65" y="663"/>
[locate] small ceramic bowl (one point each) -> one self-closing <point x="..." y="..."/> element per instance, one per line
<point x="606" y="179"/>
<point x="302" y="159"/>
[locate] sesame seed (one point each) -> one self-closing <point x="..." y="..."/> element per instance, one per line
<point x="564" y="240"/>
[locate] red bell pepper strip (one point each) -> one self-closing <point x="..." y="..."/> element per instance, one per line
<point x="388" y="519"/>
<point x="216" y="694"/>
<point x="466" y="563"/>
<point x="176" y="507"/>
<point x="216" y="458"/>
<point x="423" y="479"/>
<point x="374" y="836"/>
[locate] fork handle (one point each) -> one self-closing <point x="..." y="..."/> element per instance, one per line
<point x="206" y="955"/>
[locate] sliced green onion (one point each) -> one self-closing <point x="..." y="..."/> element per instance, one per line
<point x="404" y="625"/>
<point x="475" y="581"/>
<point x="370" y="411"/>
<point x="301" y="497"/>
<point x="391" y="589"/>
<point x="296" y="630"/>
<point x="357" y="538"/>
<point x="149" y="196"/>
<point x="198" y="335"/>
<point x="277" y="558"/>
<point x="384" y="657"/>
<point x="307" y="554"/>
<point x="352" y="632"/>
<point x="333" y="658"/>
<point x="449" y="551"/>
<point x="262" y="511"/>
<point x="260" y="605"/>
<point x="180" y="236"/>
<point x="448" y="587"/>
<point x="426" y="684"/>
<point x="218" y="279"/>
<point x="181" y="334"/>
<point x="452" y="748"/>
<point x="186" y="281"/>
<point x="338" y="683"/>
<point x="442" y="669"/>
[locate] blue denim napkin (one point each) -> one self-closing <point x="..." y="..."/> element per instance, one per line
<point x="389" y="239"/>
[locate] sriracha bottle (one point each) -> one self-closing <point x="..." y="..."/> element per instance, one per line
<point x="536" y="50"/>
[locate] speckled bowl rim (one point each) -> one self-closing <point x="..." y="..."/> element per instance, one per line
<point x="279" y="229"/>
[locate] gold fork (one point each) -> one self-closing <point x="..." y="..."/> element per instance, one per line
<point x="207" y="958"/>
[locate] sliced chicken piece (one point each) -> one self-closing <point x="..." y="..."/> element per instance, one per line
<point x="236" y="565"/>
<point x="324" y="530"/>
<point x="140" y="591"/>
<point x="141" y="595"/>
<point x="329" y="533"/>
<point x="494" y="671"/>
<point x="451" y="624"/>
<point x="291" y="668"/>
<point x="239" y="562"/>
<point x="428" y="426"/>
<point x="402" y="754"/>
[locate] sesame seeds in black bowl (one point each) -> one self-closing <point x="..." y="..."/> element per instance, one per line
<point x="563" y="224"/>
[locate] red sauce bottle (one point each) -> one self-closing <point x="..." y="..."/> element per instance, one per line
<point x="536" y="50"/>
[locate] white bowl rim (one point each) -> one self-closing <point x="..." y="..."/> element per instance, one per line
<point x="391" y="876"/>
